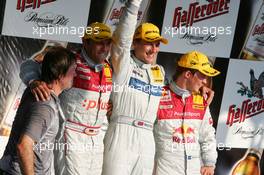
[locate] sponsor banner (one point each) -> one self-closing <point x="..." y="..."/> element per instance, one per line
<point x="241" y="121"/>
<point x="9" y="117"/>
<point x="46" y="19"/>
<point x="7" y="121"/>
<point x="255" y="41"/>
<point x="207" y="26"/>
<point x="117" y="10"/>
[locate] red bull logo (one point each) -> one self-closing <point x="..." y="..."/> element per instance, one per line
<point x="165" y="95"/>
<point x="183" y="134"/>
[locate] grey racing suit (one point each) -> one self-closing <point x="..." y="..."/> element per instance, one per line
<point x="184" y="135"/>
<point x="129" y="141"/>
<point x="84" y="106"/>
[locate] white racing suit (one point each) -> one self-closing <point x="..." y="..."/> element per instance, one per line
<point x="84" y="106"/>
<point x="184" y="135"/>
<point x="129" y="141"/>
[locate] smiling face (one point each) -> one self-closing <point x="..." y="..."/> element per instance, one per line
<point x="146" y="51"/>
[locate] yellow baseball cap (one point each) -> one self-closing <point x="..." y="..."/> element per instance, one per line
<point x="199" y="61"/>
<point x="97" y="31"/>
<point x="149" y="32"/>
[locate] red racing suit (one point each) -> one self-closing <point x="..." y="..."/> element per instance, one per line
<point x="85" y="106"/>
<point x="184" y="136"/>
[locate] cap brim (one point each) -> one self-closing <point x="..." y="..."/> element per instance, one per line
<point x="98" y="39"/>
<point x="210" y="72"/>
<point x="164" y="40"/>
<point x="161" y="39"/>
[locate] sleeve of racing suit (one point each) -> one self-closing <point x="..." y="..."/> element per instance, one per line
<point x="207" y="140"/>
<point x="30" y="70"/>
<point x="122" y="40"/>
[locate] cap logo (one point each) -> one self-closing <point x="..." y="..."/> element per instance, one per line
<point x="204" y="64"/>
<point x="152" y="38"/>
<point x="104" y="30"/>
<point x="193" y="63"/>
<point x="152" y="31"/>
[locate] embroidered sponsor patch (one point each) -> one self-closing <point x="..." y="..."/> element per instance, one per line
<point x="199" y="107"/>
<point x="198" y="99"/>
<point x="91" y="104"/>
<point x="183" y="134"/>
<point x="166" y="95"/>
<point x="138" y="73"/>
<point x="108" y="80"/>
<point x="165" y="106"/>
<point x="107" y="72"/>
<point x="85" y="77"/>
<point x="157" y="74"/>
<point x="82" y="69"/>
